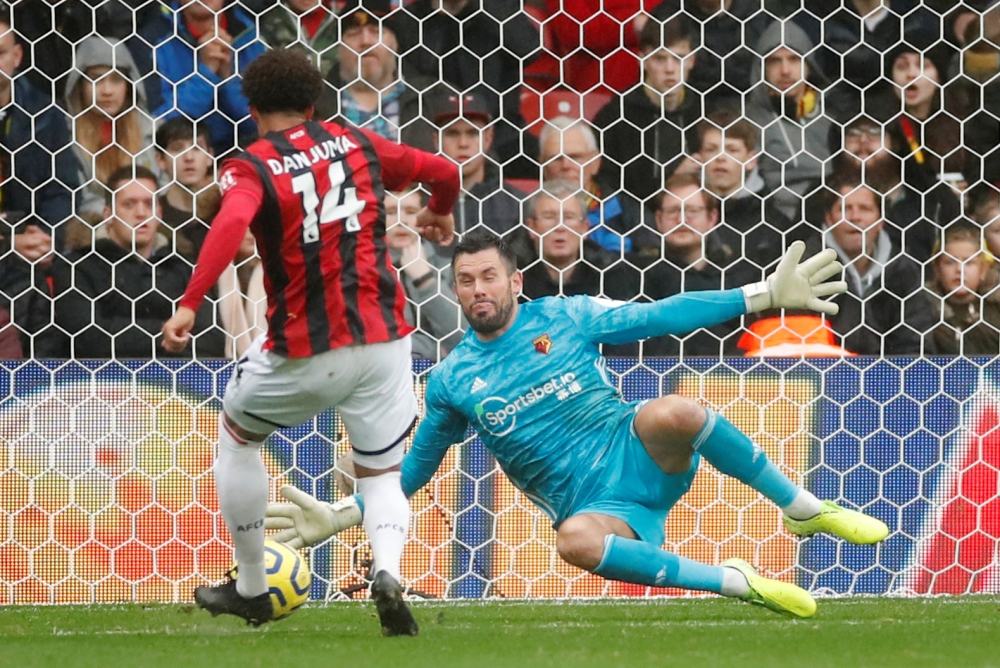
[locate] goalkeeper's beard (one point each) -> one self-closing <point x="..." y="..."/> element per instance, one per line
<point x="491" y="323"/>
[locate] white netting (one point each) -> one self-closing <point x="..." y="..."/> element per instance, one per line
<point x="632" y="150"/>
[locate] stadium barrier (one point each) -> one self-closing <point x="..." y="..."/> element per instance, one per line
<point x="107" y="494"/>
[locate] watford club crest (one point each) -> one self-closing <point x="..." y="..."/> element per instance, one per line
<point x="543" y="344"/>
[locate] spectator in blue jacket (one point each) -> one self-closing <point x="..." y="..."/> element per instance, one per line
<point x="214" y="45"/>
<point x="34" y="138"/>
<point x="570" y="150"/>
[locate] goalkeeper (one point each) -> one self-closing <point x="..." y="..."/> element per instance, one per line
<point x="532" y="382"/>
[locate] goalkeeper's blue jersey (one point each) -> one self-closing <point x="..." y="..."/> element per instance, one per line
<point x="540" y="397"/>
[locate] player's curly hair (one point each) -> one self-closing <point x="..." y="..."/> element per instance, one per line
<point x="282" y="80"/>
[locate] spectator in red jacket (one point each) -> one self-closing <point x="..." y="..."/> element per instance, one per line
<point x="605" y="50"/>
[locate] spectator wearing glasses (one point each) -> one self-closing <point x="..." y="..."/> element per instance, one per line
<point x="568" y="263"/>
<point x="570" y="151"/>
<point x="913" y="219"/>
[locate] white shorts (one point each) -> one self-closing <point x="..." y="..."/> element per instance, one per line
<point x="371" y="386"/>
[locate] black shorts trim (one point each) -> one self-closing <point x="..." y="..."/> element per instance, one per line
<point x="265" y="420"/>
<point x="393" y="445"/>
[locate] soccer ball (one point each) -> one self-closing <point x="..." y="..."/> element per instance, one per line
<point x="288" y="577"/>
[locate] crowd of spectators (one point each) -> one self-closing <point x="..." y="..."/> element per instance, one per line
<point x="727" y="129"/>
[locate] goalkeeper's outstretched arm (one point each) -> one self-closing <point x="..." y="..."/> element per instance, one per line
<point x="793" y="285"/>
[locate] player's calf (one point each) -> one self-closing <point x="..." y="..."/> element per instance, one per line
<point x="630" y="560"/>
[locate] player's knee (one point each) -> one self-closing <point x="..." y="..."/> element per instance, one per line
<point x="667" y="427"/>
<point x="679" y="416"/>
<point x="344" y="475"/>
<point x="241" y="433"/>
<point x="580" y="544"/>
<point x="367" y="465"/>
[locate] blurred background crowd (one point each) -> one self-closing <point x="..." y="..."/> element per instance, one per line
<point x="629" y="149"/>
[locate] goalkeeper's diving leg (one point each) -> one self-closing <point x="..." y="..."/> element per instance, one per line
<point x="672" y="429"/>
<point x="608" y="546"/>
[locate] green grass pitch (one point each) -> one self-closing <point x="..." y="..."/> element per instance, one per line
<point x="858" y="632"/>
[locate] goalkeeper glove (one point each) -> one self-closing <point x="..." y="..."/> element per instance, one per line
<point x="798" y="286"/>
<point x="307" y="521"/>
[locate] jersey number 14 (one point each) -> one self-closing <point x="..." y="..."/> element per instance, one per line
<point x="333" y="209"/>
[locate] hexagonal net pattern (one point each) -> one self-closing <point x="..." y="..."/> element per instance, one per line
<point x="631" y="151"/>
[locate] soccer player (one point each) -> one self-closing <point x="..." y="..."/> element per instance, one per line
<point x="531" y="381"/>
<point x="311" y="194"/>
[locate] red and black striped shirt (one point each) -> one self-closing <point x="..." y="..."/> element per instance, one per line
<point x="313" y="198"/>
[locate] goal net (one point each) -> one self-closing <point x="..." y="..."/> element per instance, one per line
<point x="630" y="152"/>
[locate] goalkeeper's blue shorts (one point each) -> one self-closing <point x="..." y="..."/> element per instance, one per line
<point x="627" y="484"/>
